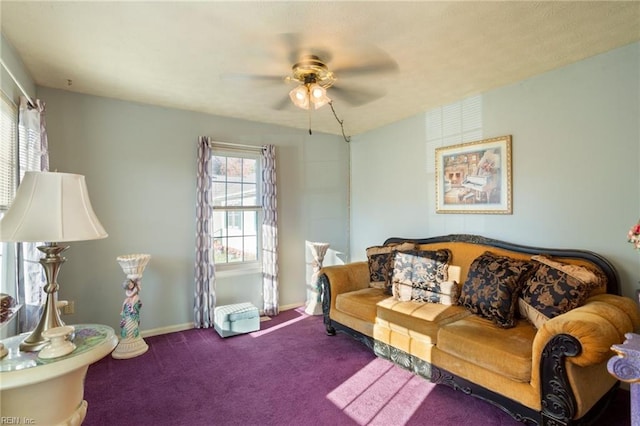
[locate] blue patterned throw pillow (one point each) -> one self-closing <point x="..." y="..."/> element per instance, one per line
<point x="444" y="293"/>
<point x="381" y="261"/>
<point x="419" y="269"/>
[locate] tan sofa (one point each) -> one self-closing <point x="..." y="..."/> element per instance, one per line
<point x="551" y="374"/>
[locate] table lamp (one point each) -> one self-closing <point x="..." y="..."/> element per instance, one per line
<point x="51" y="207"/>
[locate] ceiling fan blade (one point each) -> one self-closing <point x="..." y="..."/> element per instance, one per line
<point x="253" y="77"/>
<point x="282" y="104"/>
<point x="354" y="97"/>
<point x="379" y="66"/>
<point x="297" y="48"/>
<point x="291" y="43"/>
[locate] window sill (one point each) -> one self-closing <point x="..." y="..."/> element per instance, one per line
<point x="234" y="271"/>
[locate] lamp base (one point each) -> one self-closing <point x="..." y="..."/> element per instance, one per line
<point x="50" y="318"/>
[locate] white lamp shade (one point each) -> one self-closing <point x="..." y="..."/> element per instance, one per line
<point x="51" y="207"/>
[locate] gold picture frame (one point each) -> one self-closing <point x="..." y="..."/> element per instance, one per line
<point x="474" y="177"/>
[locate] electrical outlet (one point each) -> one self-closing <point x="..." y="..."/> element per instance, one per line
<point x="70" y="308"/>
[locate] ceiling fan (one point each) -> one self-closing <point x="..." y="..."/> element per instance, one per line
<point x="314" y="79"/>
<point x="313" y="76"/>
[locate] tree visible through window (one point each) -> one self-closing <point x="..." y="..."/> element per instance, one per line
<point x="236" y="207"/>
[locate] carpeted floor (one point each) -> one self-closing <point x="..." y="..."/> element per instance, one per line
<point x="288" y="373"/>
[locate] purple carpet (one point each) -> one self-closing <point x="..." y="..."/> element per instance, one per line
<point x="288" y="373"/>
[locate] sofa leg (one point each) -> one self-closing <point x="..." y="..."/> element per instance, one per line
<point x="326" y="304"/>
<point x="558" y="401"/>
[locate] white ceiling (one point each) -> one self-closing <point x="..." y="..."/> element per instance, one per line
<point x="180" y="54"/>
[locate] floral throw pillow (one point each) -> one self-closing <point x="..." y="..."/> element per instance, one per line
<point x="380" y="259"/>
<point x="423" y="269"/>
<point x="492" y="287"/>
<point x="444" y="293"/>
<point x="555" y="288"/>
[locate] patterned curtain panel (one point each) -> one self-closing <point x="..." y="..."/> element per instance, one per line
<point x="205" y="272"/>
<point x="269" y="231"/>
<point x="33" y="155"/>
<point x="44" y="139"/>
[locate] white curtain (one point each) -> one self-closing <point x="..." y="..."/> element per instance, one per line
<point x="33" y="155"/>
<point x="205" y="271"/>
<point x="269" y="232"/>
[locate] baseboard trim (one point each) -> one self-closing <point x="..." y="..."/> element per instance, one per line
<point x="291" y="306"/>
<point x="188" y="326"/>
<point x="167" y="330"/>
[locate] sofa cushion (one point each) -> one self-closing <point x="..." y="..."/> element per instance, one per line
<point x="380" y="259"/>
<point x="424" y="269"/>
<point x="555" y="288"/>
<point x="492" y="287"/>
<point x="423" y="318"/>
<point x="361" y="303"/>
<point x="503" y="351"/>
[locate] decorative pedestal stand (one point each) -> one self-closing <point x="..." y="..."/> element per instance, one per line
<point x="626" y="367"/>
<point x="314" y="293"/>
<point x="131" y="344"/>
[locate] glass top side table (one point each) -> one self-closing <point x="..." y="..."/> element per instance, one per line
<point x="51" y="391"/>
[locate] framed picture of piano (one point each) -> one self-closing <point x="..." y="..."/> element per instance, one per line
<point x="474" y="177"/>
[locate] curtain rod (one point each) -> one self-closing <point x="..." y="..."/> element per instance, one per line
<point x="15" y="80"/>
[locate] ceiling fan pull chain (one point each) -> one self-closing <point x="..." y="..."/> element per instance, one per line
<point x="309" y="111"/>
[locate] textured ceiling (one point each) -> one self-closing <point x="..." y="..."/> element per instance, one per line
<point x="184" y="54"/>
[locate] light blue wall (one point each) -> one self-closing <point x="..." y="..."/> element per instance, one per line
<point x="140" y="167"/>
<point x="13" y="61"/>
<point x="576" y="166"/>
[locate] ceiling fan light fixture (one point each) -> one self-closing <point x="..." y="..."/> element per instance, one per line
<point x="317" y="91"/>
<point x="300" y="96"/>
<point x="304" y="95"/>
<point x="318" y="95"/>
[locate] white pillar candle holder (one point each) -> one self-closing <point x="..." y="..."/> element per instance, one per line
<point x="131" y="344"/>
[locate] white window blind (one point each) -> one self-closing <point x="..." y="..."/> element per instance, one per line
<point x="8" y="154"/>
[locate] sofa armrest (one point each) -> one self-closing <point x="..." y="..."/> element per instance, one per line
<point x="349" y="277"/>
<point x="625" y="304"/>
<point x="596" y="325"/>
<point x="581" y="338"/>
<point x="338" y="279"/>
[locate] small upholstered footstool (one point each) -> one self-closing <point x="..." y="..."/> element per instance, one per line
<point x="238" y="318"/>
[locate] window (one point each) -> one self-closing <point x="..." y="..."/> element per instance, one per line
<point x="30" y="158"/>
<point x="8" y="177"/>
<point x="21" y="275"/>
<point x="8" y="154"/>
<point x="237" y="206"/>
